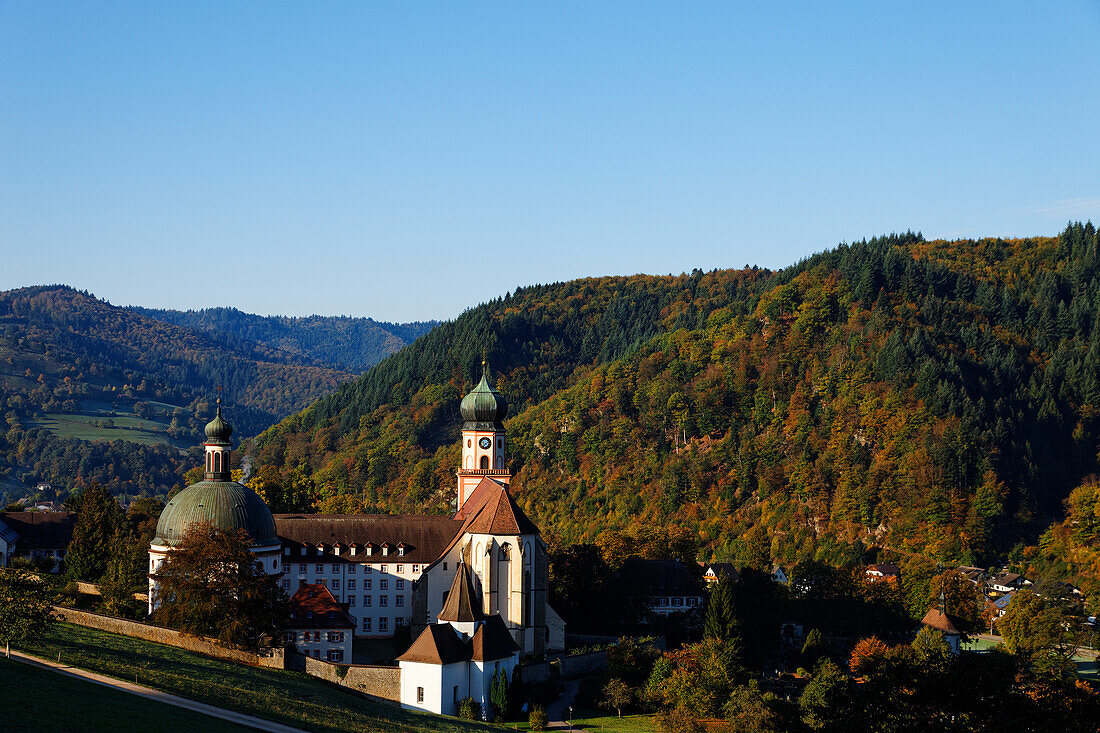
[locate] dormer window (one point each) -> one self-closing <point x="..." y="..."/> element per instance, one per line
<point x="401" y="549"/>
<point x="385" y="550"/>
<point x="369" y="549"/>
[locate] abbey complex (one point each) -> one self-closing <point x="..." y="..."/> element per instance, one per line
<point x="472" y="586"/>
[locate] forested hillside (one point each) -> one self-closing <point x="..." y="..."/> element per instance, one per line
<point x="349" y="344"/>
<point x="938" y="397"/>
<point x="92" y="392"/>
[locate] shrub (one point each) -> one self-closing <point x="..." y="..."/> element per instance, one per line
<point x="538" y="719"/>
<point x="469" y="709"/>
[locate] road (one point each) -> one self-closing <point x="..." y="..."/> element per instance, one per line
<point x="151" y="694"/>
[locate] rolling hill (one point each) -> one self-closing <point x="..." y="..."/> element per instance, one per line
<point x="340" y="342"/>
<point x="936" y="397"/>
<point x="93" y="392"/>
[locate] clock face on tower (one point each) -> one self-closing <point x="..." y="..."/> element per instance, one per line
<point x="485" y="443"/>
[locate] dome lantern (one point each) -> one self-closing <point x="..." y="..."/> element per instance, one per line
<point x="484" y="407"/>
<point x="218" y="430"/>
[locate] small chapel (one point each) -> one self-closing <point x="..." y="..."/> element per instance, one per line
<point x="470" y="588"/>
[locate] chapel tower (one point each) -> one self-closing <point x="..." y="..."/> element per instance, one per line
<point x="483" y="447"/>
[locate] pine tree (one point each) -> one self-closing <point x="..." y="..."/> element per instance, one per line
<point x="96" y="525"/>
<point x="498" y="695"/>
<point x="721" y="620"/>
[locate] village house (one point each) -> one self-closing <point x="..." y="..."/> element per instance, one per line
<point x="664" y="586"/>
<point x="1008" y="582"/>
<point x="42" y="537"/>
<point x="882" y="572"/>
<point x="716" y="571"/>
<point x="319" y="626"/>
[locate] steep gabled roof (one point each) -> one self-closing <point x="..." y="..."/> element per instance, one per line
<point x="462" y="603"/>
<point x="490" y="509"/>
<point x="314" y="606"/>
<point x="937" y="619"/>
<point x="492" y="640"/>
<point x="437" y="644"/>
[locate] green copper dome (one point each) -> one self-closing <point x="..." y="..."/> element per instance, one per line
<point x="218" y="430"/>
<point x="217" y="504"/>
<point x="484" y="408"/>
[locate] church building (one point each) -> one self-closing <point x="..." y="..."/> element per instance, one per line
<point x="394" y="571"/>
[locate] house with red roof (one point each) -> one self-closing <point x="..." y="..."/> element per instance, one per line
<point x="319" y="626"/>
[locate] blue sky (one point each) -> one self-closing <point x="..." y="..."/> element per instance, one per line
<point x="408" y="160"/>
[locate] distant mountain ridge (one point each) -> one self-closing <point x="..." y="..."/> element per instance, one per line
<point x="94" y="392"/>
<point x="340" y="342"/>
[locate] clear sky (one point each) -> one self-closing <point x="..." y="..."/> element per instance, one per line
<point x="408" y="160"/>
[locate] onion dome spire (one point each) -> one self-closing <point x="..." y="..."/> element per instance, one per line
<point x="484" y="408"/>
<point x="218" y="430"/>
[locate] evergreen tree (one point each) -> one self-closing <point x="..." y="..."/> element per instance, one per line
<point x="517" y="695"/>
<point x="498" y="695"/>
<point x="124" y="575"/>
<point x="721" y="619"/>
<point x="96" y="526"/>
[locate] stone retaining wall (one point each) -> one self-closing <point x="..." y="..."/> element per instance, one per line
<point x="171" y="637"/>
<point x="581" y="665"/>
<point x="378" y="682"/>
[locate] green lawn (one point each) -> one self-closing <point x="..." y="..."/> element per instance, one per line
<point x="145" y="432"/>
<point x="591" y="720"/>
<point x="48" y="701"/>
<point x="292" y="698"/>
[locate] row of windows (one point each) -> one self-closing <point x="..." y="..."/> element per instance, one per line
<point x="332" y="655"/>
<point x="367" y="569"/>
<point x="332" y="637"/>
<point x="367" y="550"/>
<point x="689" y="601"/>
<point x="383" y="601"/>
<point x="383" y="624"/>
<point x="335" y="585"/>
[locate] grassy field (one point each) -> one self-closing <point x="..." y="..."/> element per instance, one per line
<point x="48" y="701"/>
<point x="292" y="698"/>
<point x="127" y="427"/>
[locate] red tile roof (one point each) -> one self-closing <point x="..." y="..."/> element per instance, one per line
<point x="490" y="509"/>
<point x="492" y="640"/>
<point x="314" y="607"/>
<point x="937" y="619"/>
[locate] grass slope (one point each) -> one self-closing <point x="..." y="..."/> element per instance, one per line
<point x="291" y="698"/>
<point x="49" y="701"/>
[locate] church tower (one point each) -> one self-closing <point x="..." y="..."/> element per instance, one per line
<point x="218" y="447"/>
<point x="483" y="447"/>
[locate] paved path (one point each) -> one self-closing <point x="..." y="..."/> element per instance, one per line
<point x="151" y="694"/>
<point x="558" y="711"/>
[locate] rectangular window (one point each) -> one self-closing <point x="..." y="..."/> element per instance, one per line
<point x="335" y="637"/>
<point x="288" y="637"/>
<point x="367" y="624"/>
<point x="366" y="601"/>
<point x="420" y="694"/>
<point x="677" y="601"/>
<point x="399" y="601"/>
<point x="351" y="569"/>
<point x="301" y="567"/>
<point x="335" y="655"/>
<point x="336" y="584"/>
<point x="351" y="601"/>
<point x="366" y="584"/>
<point x="335" y="568"/>
<point x="400" y="584"/>
<point x="444" y="566"/>
<point x="320" y="568"/>
<point x="383" y="584"/>
<point x="351" y="584"/>
<point x="286" y="584"/>
<point x="400" y="569"/>
<point x="368" y="569"/>
<point x="416" y="568"/>
<point x="383" y="624"/>
<point x="383" y="601"/>
<point x="454" y="695"/>
<point x="381" y="568"/>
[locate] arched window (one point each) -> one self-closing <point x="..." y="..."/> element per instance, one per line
<point x="217" y="462"/>
<point x="484" y="462"/>
<point x="527" y="600"/>
<point x="504" y="551"/>
<point x="208" y="462"/>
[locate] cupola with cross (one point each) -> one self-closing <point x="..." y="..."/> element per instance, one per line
<point x="483" y="447"/>
<point x="218" y="447"/>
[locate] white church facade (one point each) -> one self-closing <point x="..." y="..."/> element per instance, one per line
<point x="395" y="571"/>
